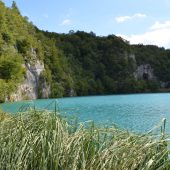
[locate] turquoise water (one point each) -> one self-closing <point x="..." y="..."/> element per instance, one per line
<point x="139" y="112"/>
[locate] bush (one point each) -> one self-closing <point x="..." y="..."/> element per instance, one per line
<point x="23" y="46"/>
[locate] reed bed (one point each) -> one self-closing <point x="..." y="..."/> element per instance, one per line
<point x="42" y="140"/>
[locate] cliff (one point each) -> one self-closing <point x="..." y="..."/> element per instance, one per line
<point x="21" y="58"/>
<point x="31" y="85"/>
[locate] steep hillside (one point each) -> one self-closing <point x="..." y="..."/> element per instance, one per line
<point x="158" y="59"/>
<point x="37" y="64"/>
<point x="100" y="65"/>
<point x="23" y="74"/>
<point x="106" y="65"/>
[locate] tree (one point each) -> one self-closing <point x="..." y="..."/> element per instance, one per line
<point x="14" y="7"/>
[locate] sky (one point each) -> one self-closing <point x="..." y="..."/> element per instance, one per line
<point x="138" y="21"/>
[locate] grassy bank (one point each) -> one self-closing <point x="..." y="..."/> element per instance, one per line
<point x="45" y="141"/>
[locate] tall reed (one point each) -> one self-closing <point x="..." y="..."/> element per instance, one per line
<point x="45" y="141"/>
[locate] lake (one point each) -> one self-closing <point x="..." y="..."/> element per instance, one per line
<point x="137" y="112"/>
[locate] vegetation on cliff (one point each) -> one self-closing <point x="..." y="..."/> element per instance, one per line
<point x="20" y="44"/>
<point x="107" y="65"/>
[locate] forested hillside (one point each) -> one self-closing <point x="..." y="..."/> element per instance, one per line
<point x="106" y="65"/>
<point x="74" y="64"/>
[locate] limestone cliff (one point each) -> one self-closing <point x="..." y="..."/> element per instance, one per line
<point x="29" y="88"/>
<point x="145" y="72"/>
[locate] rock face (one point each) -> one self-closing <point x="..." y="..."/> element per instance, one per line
<point x="164" y="84"/>
<point x="29" y="88"/>
<point x="31" y="85"/>
<point x="32" y="79"/>
<point x="45" y="90"/>
<point x="144" y="72"/>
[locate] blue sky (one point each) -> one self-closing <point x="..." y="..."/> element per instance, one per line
<point x="139" y="21"/>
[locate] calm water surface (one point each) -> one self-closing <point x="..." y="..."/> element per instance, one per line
<point x="139" y="112"/>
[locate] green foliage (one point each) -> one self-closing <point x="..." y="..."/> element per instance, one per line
<point x="103" y="65"/>
<point x="59" y="67"/>
<point x="23" y="46"/>
<point x="99" y="65"/>
<point x="6" y="37"/>
<point x="158" y="58"/>
<point x="153" y="86"/>
<point x="15" y="41"/>
<point x="3" y="90"/>
<point x="10" y="68"/>
<point x="11" y="74"/>
<point x="14" y="7"/>
<point x="57" y="90"/>
<point x="6" y="88"/>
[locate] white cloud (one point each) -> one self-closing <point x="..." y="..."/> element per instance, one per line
<point x="122" y="19"/>
<point x="158" y="34"/>
<point x="66" y="22"/>
<point x="159" y="25"/>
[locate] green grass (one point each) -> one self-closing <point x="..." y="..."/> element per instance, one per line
<point x="45" y="141"/>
